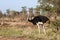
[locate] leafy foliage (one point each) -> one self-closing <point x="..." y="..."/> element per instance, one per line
<point x="49" y="5"/>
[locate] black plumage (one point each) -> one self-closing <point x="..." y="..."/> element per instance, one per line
<point x="39" y="18"/>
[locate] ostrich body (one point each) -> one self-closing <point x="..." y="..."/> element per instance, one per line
<point x="39" y="21"/>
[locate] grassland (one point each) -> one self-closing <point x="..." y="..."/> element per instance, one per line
<point x="28" y="33"/>
<point x="22" y="30"/>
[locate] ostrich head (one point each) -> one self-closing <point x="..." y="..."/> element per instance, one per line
<point x="30" y="19"/>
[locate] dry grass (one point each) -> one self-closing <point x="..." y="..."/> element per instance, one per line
<point x="28" y="33"/>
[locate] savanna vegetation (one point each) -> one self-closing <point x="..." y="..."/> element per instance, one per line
<point x="15" y="26"/>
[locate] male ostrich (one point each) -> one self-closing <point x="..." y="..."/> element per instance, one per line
<point x="39" y="21"/>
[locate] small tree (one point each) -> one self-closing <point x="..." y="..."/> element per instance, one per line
<point x="36" y="12"/>
<point x="1" y="14"/>
<point x="31" y="12"/>
<point x="24" y="13"/>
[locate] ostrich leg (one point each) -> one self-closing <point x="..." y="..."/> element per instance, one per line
<point x="38" y="28"/>
<point x="39" y="24"/>
<point x="44" y="30"/>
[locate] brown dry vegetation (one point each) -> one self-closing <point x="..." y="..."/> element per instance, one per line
<point x="17" y="29"/>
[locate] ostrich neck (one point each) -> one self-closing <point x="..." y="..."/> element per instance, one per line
<point x="29" y="20"/>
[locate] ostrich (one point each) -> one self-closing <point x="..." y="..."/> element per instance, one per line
<point x="39" y="21"/>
